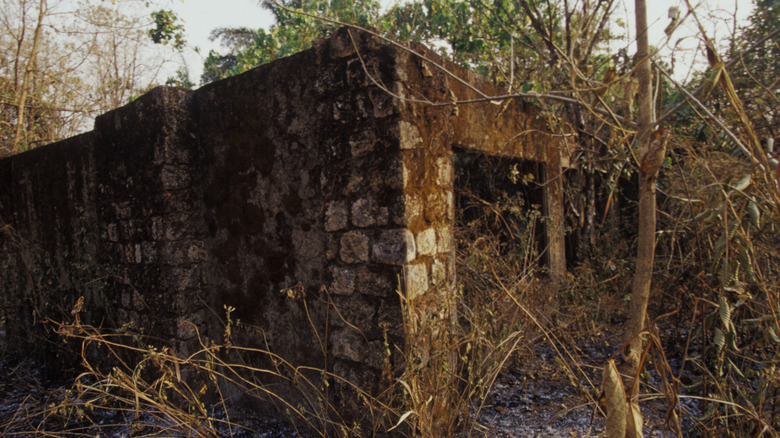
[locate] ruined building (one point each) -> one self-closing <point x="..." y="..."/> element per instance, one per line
<point x="308" y="195"/>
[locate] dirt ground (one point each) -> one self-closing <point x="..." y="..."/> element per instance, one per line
<point x="539" y="396"/>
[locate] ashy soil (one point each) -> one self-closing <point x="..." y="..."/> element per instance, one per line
<point x="539" y="396"/>
<point x="546" y="398"/>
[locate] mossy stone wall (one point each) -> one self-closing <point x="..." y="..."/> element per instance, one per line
<point x="316" y="183"/>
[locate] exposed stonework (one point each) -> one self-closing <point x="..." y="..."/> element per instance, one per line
<point x="294" y="187"/>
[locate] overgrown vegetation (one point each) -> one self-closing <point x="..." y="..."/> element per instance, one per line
<point x="130" y="387"/>
<point x="713" y="347"/>
<point x="64" y="63"/>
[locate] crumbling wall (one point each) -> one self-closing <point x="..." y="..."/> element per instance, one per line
<point x="94" y="215"/>
<point x="307" y="196"/>
<point x="303" y="203"/>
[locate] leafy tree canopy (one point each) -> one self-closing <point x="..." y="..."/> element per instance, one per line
<point x="756" y="75"/>
<point x="66" y="62"/>
<point x="507" y="41"/>
<point x="292" y="32"/>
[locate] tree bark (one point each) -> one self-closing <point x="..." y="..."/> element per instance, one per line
<point x="21" y="99"/>
<point x="640" y="288"/>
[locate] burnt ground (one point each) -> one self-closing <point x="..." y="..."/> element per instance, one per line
<point x="540" y="399"/>
<point x="536" y="397"/>
<point x="29" y="400"/>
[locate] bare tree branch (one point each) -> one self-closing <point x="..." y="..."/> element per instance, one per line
<point x="727" y="65"/>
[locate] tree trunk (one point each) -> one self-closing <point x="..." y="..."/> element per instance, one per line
<point x="640" y="288"/>
<point x="21" y="99"/>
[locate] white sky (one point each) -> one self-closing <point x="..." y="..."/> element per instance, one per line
<point x="202" y="16"/>
<point x="717" y="18"/>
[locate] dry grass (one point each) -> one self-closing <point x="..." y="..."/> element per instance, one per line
<point x="727" y="361"/>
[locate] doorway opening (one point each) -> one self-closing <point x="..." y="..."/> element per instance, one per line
<point x="500" y="209"/>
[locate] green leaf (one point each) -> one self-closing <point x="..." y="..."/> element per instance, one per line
<point x="743" y="183"/>
<point x="720" y="246"/>
<point x="735" y="369"/>
<point x="401" y="420"/>
<point x="711" y="409"/>
<point x="755" y="214"/>
<point x="772" y="334"/>
<point x="731" y="338"/>
<point x="615" y="400"/>
<point x="711" y="82"/>
<point x="167" y="29"/>
<point x="719" y="339"/>
<point x="744" y="259"/>
<point x="724" y="310"/>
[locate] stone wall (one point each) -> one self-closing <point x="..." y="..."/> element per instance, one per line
<point x="305" y="194"/>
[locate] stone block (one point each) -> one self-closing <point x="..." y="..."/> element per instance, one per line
<point x="406" y="175"/>
<point x="409" y="135"/>
<point x="126" y="298"/>
<point x="185" y="277"/>
<point x="113" y="234"/>
<point x="444" y="239"/>
<point x="355" y="312"/>
<point x="157" y="228"/>
<point x="139" y="303"/>
<point x="415" y="280"/>
<point x="375" y="283"/>
<point x="343" y="281"/>
<point x="394" y="247"/>
<point x="391" y="318"/>
<point x="354" y="247"/>
<point x="340" y="46"/>
<point x="410" y="209"/>
<point x="384" y="103"/>
<point x="308" y="246"/>
<point x="175" y="177"/>
<point x="173" y="254"/>
<point x="133" y="253"/>
<point x="394" y="175"/>
<point x="347" y="344"/>
<point x="174" y="154"/>
<point x="362" y="106"/>
<point x="149" y="252"/>
<point x="426" y="242"/>
<point x="356" y="75"/>
<point x="331" y="247"/>
<point x="336" y="216"/>
<point x="176" y="230"/>
<point x="185" y="328"/>
<point x="197" y="251"/>
<point x="435" y="207"/>
<point x="383" y="216"/>
<point x="450" y="202"/>
<point x="127" y="230"/>
<point x="362" y="143"/>
<point x="306" y="189"/>
<point x="365" y="213"/>
<point x="122" y="210"/>
<point x="445" y="172"/>
<point x="438" y="272"/>
<point x="355" y="185"/>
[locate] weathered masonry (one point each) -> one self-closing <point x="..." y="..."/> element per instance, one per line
<point x="320" y="181"/>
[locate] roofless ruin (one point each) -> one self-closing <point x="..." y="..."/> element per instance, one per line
<point x="319" y="182"/>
